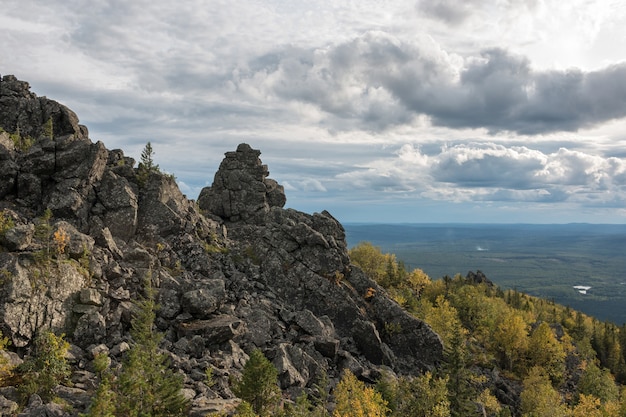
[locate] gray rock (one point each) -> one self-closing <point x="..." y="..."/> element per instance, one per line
<point x="90" y="296"/>
<point x="311" y="324"/>
<point x="18" y="238"/>
<point x="121" y="203"/>
<point x="200" y="303"/>
<point x="90" y="329"/>
<point x="215" y="331"/>
<point x="240" y="190"/>
<point x="7" y="407"/>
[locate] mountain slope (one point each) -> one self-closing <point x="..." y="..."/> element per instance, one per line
<point x="83" y="227"/>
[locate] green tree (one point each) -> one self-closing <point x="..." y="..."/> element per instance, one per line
<point x="424" y="396"/>
<point x="244" y="409"/>
<point x="104" y="401"/>
<point x="146" y="164"/>
<point x="147" y="158"/>
<point x="321" y="388"/>
<point x="598" y="383"/>
<point x="47" y="368"/>
<point x="588" y="406"/>
<point x="539" y="398"/>
<point x="43" y="233"/>
<point x="146" y="385"/>
<point x="259" y="384"/>
<point x="370" y="259"/>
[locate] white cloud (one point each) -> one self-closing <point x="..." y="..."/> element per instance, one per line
<point x="516" y="101"/>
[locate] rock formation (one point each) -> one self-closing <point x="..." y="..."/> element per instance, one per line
<point x="234" y="272"/>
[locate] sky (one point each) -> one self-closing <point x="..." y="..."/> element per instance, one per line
<point x="504" y="111"/>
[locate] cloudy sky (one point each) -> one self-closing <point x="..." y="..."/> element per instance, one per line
<point x="382" y="111"/>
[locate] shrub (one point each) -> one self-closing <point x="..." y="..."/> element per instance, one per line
<point x="6" y="371"/>
<point x="46" y="369"/>
<point x="48" y="129"/>
<point x="6" y="223"/>
<point x="21" y="143"/>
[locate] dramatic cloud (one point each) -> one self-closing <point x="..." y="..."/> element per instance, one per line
<point x="381" y="82"/>
<point x="466" y="110"/>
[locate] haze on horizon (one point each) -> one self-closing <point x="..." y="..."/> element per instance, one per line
<point x="394" y="111"/>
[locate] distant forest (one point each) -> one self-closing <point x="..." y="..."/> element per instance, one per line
<point x="543" y="260"/>
<point x="506" y="353"/>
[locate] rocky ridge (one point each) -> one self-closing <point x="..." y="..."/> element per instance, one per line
<point x="233" y="271"/>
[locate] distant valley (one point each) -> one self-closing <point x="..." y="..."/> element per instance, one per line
<point x="579" y="265"/>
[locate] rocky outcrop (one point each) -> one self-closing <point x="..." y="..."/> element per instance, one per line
<point x="234" y="272"/>
<point x="23" y="111"/>
<point x="241" y="189"/>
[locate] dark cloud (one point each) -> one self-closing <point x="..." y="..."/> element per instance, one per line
<point x="488" y="170"/>
<point x="451" y="12"/>
<point x="382" y="82"/>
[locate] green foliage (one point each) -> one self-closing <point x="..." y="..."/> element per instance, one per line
<point x="382" y="268"/>
<point x="511" y="340"/>
<point x="6" y="223"/>
<point x="539" y="398"/>
<point x="355" y="399"/>
<point x="546" y="351"/>
<point x="48" y="129"/>
<point x="43" y="234"/>
<point x="259" y="384"/>
<point x="321" y="388"/>
<point x="146" y="164"/>
<point x="145" y="385"/>
<point x="21" y="143"/>
<point x="598" y="382"/>
<point x="301" y="408"/>
<point x="6" y="370"/>
<point x="46" y="368"/>
<point x="424" y="396"/>
<point x="245" y="410"/>
<point x="103" y="403"/>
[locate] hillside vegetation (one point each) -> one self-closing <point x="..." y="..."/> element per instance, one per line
<point x="506" y="352"/>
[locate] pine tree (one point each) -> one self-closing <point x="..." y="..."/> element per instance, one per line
<point x="103" y="403"/>
<point x="146" y="164"/>
<point x="147" y="158"/>
<point x="259" y="384"/>
<point x="146" y="386"/>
